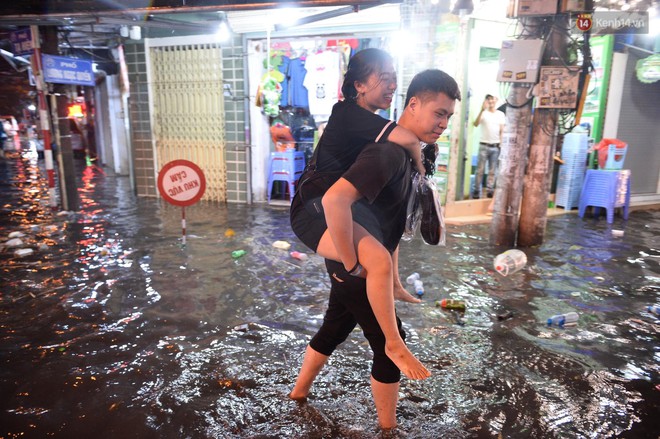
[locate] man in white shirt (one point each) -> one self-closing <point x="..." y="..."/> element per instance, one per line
<point x="491" y="121"/>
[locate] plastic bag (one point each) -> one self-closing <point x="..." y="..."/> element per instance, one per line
<point x="424" y="211"/>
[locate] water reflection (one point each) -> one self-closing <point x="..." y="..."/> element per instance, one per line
<point x="111" y="328"/>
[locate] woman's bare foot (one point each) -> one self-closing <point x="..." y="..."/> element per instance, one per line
<point x="406" y="362"/>
<point x="403" y="295"/>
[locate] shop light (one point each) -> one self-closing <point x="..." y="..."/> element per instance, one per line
<point x="135" y="33"/>
<point x="75" y="110"/>
<point x="400" y="45"/>
<point x="283" y="18"/>
<point x="223" y="33"/>
<point x="31" y="107"/>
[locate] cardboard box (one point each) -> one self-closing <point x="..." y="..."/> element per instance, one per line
<point x="536" y="7"/>
<point x="576" y="5"/>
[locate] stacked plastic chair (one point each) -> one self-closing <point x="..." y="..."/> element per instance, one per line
<point x="608" y="189"/>
<point x="571" y="173"/>
<point x="285" y="166"/>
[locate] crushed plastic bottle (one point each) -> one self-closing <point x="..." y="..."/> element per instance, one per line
<point x="238" y="253"/>
<point x="654" y="309"/>
<point x="510" y="262"/>
<point x="298" y="255"/>
<point x="561" y="320"/>
<point x="410" y="280"/>
<point x="451" y="304"/>
<point x="414" y="279"/>
<point x="282" y="245"/>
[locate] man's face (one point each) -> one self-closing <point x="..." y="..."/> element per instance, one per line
<point x="492" y="102"/>
<point x="431" y="115"/>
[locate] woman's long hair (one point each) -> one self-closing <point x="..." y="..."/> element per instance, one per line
<point x="361" y="65"/>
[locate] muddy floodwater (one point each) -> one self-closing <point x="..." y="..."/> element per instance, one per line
<point x="111" y="328"/>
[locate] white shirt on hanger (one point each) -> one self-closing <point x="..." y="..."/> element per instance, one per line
<point x="322" y="82"/>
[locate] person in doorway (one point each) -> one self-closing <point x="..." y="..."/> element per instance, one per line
<point x="369" y="85"/>
<point x="374" y="192"/>
<point x="491" y="122"/>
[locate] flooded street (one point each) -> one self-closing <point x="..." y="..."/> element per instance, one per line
<point x="112" y="328"/>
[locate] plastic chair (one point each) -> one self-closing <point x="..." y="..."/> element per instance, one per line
<point x="285" y="166"/>
<point x="608" y="189"/>
<point x="615" y="157"/>
<point x="611" y="153"/>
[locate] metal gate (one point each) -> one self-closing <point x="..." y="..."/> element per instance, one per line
<point x="188" y="110"/>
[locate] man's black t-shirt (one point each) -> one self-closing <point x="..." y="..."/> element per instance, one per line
<point x="382" y="174"/>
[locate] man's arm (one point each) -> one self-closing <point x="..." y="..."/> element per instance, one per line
<point x="337" y="203"/>
<point x="477" y="121"/>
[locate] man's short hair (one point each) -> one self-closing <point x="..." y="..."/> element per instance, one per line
<point x="432" y="81"/>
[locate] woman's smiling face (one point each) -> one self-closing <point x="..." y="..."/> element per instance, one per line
<point x="378" y="91"/>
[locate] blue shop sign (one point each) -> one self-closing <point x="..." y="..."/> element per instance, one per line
<point x="61" y="70"/>
<point x="21" y="41"/>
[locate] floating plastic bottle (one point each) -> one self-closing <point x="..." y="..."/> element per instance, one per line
<point x="298" y="255"/>
<point x="654" y="309"/>
<point x="238" y="253"/>
<point x="451" y="304"/>
<point x="282" y="245"/>
<point x="562" y="320"/>
<point x="410" y="280"/>
<point x="419" y="288"/>
<point x="510" y="262"/>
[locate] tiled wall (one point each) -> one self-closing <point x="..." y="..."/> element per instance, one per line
<point x="233" y="74"/>
<point x="141" y="137"/>
<point x="141" y="134"/>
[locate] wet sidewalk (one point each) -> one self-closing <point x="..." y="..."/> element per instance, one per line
<point x="110" y="327"/>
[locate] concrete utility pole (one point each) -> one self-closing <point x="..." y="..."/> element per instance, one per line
<point x="534" y="211"/>
<point x="62" y="134"/>
<point x="513" y="159"/>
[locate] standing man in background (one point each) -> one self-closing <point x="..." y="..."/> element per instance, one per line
<point x="491" y="120"/>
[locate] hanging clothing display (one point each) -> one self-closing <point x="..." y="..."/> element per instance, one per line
<point x="322" y="82"/>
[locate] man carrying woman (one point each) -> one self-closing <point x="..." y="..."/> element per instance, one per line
<point x="365" y="211"/>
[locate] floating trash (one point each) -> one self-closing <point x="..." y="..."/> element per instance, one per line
<point x="298" y="255"/>
<point x="229" y="233"/>
<point x="451" y="304"/>
<point x="21" y="252"/>
<point x="561" y="320"/>
<point x="238" y="253"/>
<point x="282" y="245"/>
<point x="16" y="242"/>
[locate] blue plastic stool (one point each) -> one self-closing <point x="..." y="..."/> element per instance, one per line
<point x="608" y="189"/>
<point x="285" y="166"/>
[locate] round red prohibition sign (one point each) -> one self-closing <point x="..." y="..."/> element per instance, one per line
<point x="181" y="183"/>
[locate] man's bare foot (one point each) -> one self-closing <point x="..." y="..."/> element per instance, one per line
<point x="298" y="398"/>
<point x="403" y="295"/>
<point x="404" y="359"/>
